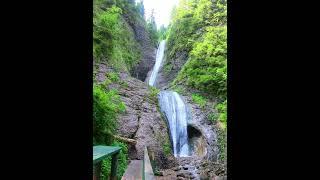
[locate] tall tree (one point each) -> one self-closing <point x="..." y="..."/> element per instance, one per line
<point x="152" y="28"/>
<point x="140" y="7"/>
<point x="162" y="32"/>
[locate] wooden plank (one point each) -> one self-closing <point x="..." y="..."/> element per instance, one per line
<point x="134" y="170"/>
<point x="126" y="140"/>
<point x="101" y="152"/>
<point x="148" y="172"/>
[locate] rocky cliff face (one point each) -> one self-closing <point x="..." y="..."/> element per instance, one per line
<point x="148" y="52"/>
<point x="142" y="120"/>
<point x="175" y="65"/>
<point x="165" y="77"/>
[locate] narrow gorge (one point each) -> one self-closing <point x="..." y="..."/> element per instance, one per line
<point x="162" y="88"/>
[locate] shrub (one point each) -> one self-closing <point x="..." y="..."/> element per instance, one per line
<point x="106" y="106"/>
<point x="199" y="30"/>
<point x="166" y="147"/>
<point x="113" y="76"/>
<point x="179" y="89"/>
<point x="222" y="109"/>
<point x="113" y="39"/>
<point x="198" y="99"/>
<point x="153" y="93"/>
<point x="206" y="69"/>
<point x="212" y="117"/>
<point x="167" y="68"/>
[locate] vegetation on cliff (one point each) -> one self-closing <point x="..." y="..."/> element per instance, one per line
<point x="106" y="107"/>
<point x="198" y="28"/>
<point x="114" y="44"/>
<point x="113" y="38"/>
<point x="197" y="52"/>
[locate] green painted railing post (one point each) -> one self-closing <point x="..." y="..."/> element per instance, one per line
<point x="98" y="170"/>
<point x="114" y="166"/>
<point x="102" y="152"/>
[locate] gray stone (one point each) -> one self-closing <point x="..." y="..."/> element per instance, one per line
<point x="141" y="121"/>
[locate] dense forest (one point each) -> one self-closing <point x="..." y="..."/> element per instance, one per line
<point x="195" y="66"/>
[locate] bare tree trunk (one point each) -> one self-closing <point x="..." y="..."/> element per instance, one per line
<point x="127" y="140"/>
<point x="123" y="139"/>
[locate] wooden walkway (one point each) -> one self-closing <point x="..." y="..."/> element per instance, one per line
<point x="134" y="170"/>
<point x="139" y="169"/>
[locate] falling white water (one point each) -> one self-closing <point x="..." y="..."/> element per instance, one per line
<point x="174" y="109"/>
<point x="176" y="114"/>
<point x="159" y="59"/>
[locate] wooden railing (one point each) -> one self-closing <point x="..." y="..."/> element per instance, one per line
<point x="137" y="169"/>
<point x="140" y="169"/>
<point x="100" y="153"/>
<point x="147" y="168"/>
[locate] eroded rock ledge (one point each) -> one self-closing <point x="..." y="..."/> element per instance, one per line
<point x="142" y="120"/>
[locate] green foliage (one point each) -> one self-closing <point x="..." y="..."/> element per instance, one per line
<point x="113" y="39"/>
<point x="106" y="107"/>
<point x="222" y="109"/>
<point x="152" y="29"/>
<point x="113" y="76"/>
<point x="124" y="84"/>
<point x="212" y="117"/>
<point x="153" y="92"/>
<point x="106" y="83"/>
<point x="222" y="144"/>
<point x="222" y="133"/>
<point x="198" y="99"/>
<point x="183" y="30"/>
<point x="140" y="8"/>
<point x="198" y="28"/>
<point x="167" y="68"/>
<point x="162" y="33"/>
<point x="179" y="89"/>
<point x="166" y="146"/>
<point x="197" y="38"/>
<point x="164" y="139"/>
<point x="114" y="44"/>
<point x="206" y="69"/>
<point x="122" y="162"/>
<point x="105" y="24"/>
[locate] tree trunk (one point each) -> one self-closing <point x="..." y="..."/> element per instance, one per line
<point x="127" y="140"/>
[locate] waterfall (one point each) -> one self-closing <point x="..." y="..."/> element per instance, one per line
<point x="175" y="110"/>
<point x="159" y="59"/>
<point x="176" y="113"/>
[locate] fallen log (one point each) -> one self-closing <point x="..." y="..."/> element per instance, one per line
<point x="127" y="140"/>
<point x="123" y="139"/>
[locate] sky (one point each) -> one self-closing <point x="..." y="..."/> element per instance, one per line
<point x="162" y="10"/>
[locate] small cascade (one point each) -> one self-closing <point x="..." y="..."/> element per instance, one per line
<point x="176" y="113"/>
